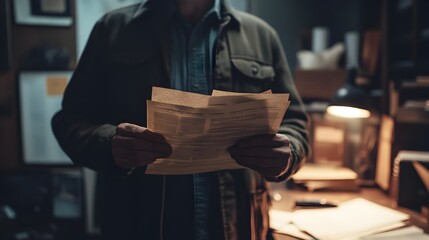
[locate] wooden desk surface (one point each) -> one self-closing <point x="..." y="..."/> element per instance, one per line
<point x="288" y="198"/>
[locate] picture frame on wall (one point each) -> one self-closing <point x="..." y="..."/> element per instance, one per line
<point x="43" y="12"/>
<point x="53" y="8"/>
<point x="40" y="96"/>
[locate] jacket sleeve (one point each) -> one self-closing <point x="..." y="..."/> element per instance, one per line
<point x="294" y="124"/>
<point x="80" y="126"/>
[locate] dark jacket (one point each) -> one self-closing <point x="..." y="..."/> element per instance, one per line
<point x="128" y="53"/>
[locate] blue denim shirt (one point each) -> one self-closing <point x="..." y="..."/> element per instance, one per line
<point x="192" y="52"/>
<point x="192" y="56"/>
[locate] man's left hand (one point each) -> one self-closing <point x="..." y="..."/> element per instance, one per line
<point x="268" y="154"/>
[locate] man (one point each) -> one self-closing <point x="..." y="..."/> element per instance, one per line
<point x="191" y="45"/>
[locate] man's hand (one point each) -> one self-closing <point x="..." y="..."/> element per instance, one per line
<point x="134" y="146"/>
<point x="268" y="154"/>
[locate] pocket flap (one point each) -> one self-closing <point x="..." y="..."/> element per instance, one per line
<point x="253" y="69"/>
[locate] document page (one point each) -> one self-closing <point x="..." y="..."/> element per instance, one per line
<point x="352" y="219"/>
<point x="411" y="232"/>
<point x="200" y="128"/>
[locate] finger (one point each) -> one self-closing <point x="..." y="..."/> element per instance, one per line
<point x="263" y="140"/>
<point x="132" y="130"/>
<point x="137" y="144"/>
<point x="264" y="152"/>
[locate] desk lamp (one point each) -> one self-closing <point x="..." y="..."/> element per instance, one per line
<point x="350" y="101"/>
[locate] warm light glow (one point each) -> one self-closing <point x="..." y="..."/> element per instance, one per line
<point x="348" y="112"/>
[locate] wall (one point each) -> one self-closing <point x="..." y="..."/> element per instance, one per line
<point x="242" y="5"/>
<point x="88" y="12"/>
<point x="292" y="17"/>
<point x="24" y="38"/>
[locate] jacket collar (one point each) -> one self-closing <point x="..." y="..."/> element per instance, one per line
<point x="165" y="8"/>
<point x="161" y="12"/>
<point x="228" y="10"/>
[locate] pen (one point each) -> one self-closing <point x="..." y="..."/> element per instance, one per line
<point x="314" y="203"/>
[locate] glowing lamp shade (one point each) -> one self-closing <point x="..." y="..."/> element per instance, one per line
<point x="348" y="112"/>
<point x="350" y="102"/>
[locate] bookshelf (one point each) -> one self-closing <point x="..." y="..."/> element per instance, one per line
<point x="408" y="39"/>
<point x="405" y="73"/>
<point x="406" y="55"/>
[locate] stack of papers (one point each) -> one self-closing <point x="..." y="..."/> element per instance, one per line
<point x="282" y="222"/>
<point x="326" y="177"/>
<point x="200" y="128"/>
<point x="406" y="233"/>
<point x="354" y="219"/>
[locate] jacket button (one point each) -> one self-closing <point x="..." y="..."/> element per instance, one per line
<point x="255" y="70"/>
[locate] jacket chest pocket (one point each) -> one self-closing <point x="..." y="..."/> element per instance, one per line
<point x="251" y="76"/>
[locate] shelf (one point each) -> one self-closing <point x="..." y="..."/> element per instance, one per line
<point x="414" y="84"/>
<point x="402" y="70"/>
<point x="412" y="115"/>
<point x="398" y="65"/>
<point x="413" y="101"/>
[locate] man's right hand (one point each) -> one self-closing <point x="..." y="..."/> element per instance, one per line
<point x="134" y="146"/>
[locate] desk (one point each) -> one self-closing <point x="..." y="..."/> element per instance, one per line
<point x="288" y="198"/>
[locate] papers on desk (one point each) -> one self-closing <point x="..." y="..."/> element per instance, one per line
<point x="200" y="128"/>
<point x="350" y="219"/>
<point x="282" y="222"/>
<point x="407" y="233"/>
<point x="354" y="219"/>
